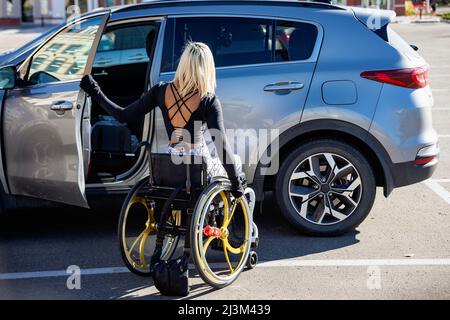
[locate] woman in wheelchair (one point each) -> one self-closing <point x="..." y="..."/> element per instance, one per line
<point x="212" y="213"/>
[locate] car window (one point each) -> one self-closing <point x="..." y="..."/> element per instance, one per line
<point x="294" y="40"/>
<point x="134" y="37"/>
<point x="233" y="41"/>
<point x="64" y="57"/>
<point x="125" y="45"/>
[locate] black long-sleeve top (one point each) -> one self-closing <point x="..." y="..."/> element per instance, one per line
<point x="209" y="112"/>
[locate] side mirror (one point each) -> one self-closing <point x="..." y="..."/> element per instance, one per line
<point x="8" y="77"/>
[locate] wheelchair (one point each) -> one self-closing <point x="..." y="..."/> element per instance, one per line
<point x="176" y="202"/>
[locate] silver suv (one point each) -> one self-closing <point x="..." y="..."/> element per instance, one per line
<point x="349" y="98"/>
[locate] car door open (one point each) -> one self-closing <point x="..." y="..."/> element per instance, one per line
<point x="46" y="121"/>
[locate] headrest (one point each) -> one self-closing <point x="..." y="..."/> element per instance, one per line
<point x="302" y="42"/>
<point x="149" y="43"/>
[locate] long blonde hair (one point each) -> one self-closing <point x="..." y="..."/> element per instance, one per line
<point x="196" y="70"/>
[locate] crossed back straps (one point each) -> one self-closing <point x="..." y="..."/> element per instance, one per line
<point x="180" y="109"/>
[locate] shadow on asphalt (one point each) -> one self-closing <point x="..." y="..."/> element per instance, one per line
<point x="278" y="239"/>
<point x="52" y="239"/>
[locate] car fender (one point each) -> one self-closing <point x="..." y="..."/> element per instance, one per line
<point x="322" y="128"/>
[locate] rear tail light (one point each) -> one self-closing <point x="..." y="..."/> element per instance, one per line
<point x="424" y="161"/>
<point x="413" y="78"/>
<point x="427" y="155"/>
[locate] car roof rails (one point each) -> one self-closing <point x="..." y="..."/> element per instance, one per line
<point x="323" y="1"/>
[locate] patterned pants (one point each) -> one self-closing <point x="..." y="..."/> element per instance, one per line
<point x="214" y="165"/>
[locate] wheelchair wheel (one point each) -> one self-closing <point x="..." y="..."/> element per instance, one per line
<point x="220" y="235"/>
<point x="138" y="225"/>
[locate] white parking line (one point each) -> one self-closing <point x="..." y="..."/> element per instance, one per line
<point x="438" y="189"/>
<point x="295" y="262"/>
<point x="59" y="273"/>
<point x="441" y="180"/>
<point x="440" y="90"/>
<point x="354" y="263"/>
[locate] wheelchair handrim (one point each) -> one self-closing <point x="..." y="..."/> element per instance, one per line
<point x="199" y="244"/>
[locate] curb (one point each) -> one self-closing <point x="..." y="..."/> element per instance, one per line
<point x="426" y="21"/>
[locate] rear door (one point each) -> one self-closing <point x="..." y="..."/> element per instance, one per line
<point x="264" y="69"/>
<point x="43" y="118"/>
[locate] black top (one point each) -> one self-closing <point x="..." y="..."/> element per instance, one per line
<point x="209" y="112"/>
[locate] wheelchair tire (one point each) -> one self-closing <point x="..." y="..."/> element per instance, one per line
<point x="140" y="265"/>
<point x="210" y="223"/>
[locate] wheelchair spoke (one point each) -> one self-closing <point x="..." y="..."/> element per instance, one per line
<point x="207" y="243"/>
<point x="142" y="249"/>
<point x="227" y="219"/>
<point x="234" y="250"/>
<point x="227" y="257"/>
<point x="135" y="242"/>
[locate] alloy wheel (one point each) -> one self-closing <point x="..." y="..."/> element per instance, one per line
<point x="325" y="188"/>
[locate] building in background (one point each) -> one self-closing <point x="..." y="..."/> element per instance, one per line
<point x="16" y="12"/>
<point x="396" y="5"/>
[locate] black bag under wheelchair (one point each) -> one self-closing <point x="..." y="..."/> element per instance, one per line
<point x="179" y="201"/>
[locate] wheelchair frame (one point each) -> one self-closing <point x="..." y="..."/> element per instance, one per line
<point x="187" y="198"/>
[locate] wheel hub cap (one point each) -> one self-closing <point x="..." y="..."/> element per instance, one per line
<point x="325" y="188"/>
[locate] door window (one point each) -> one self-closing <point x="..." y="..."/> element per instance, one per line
<point x="233" y="41"/>
<point x="295" y="41"/>
<point x="240" y="41"/>
<point x="126" y="45"/>
<point x="64" y="57"/>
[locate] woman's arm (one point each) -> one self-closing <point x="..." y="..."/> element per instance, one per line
<point x="214" y="120"/>
<point x="133" y="111"/>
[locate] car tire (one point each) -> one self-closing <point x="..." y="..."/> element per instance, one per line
<point x="320" y="200"/>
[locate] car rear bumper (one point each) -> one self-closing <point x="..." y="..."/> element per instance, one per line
<point x="421" y="169"/>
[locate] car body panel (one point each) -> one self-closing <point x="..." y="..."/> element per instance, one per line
<point x="42" y="160"/>
<point x="43" y="146"/>
<point x="403" y="122"/>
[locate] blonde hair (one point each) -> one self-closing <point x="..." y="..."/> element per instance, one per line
<point x="196" y="70"/>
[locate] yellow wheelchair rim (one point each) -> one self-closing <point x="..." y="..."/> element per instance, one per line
<point x="141" y="240"/>
<point x="201" y="246"/>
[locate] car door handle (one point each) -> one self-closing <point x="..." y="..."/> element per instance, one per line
<point x="62" y="106"/>
<point x="102" y="61"/>
<point x="103" y="73"/>
<point x="137" y="57"/>
<point x="284" y="86"/>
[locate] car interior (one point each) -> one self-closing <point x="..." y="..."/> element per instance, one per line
<point x="121" y="67"/>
